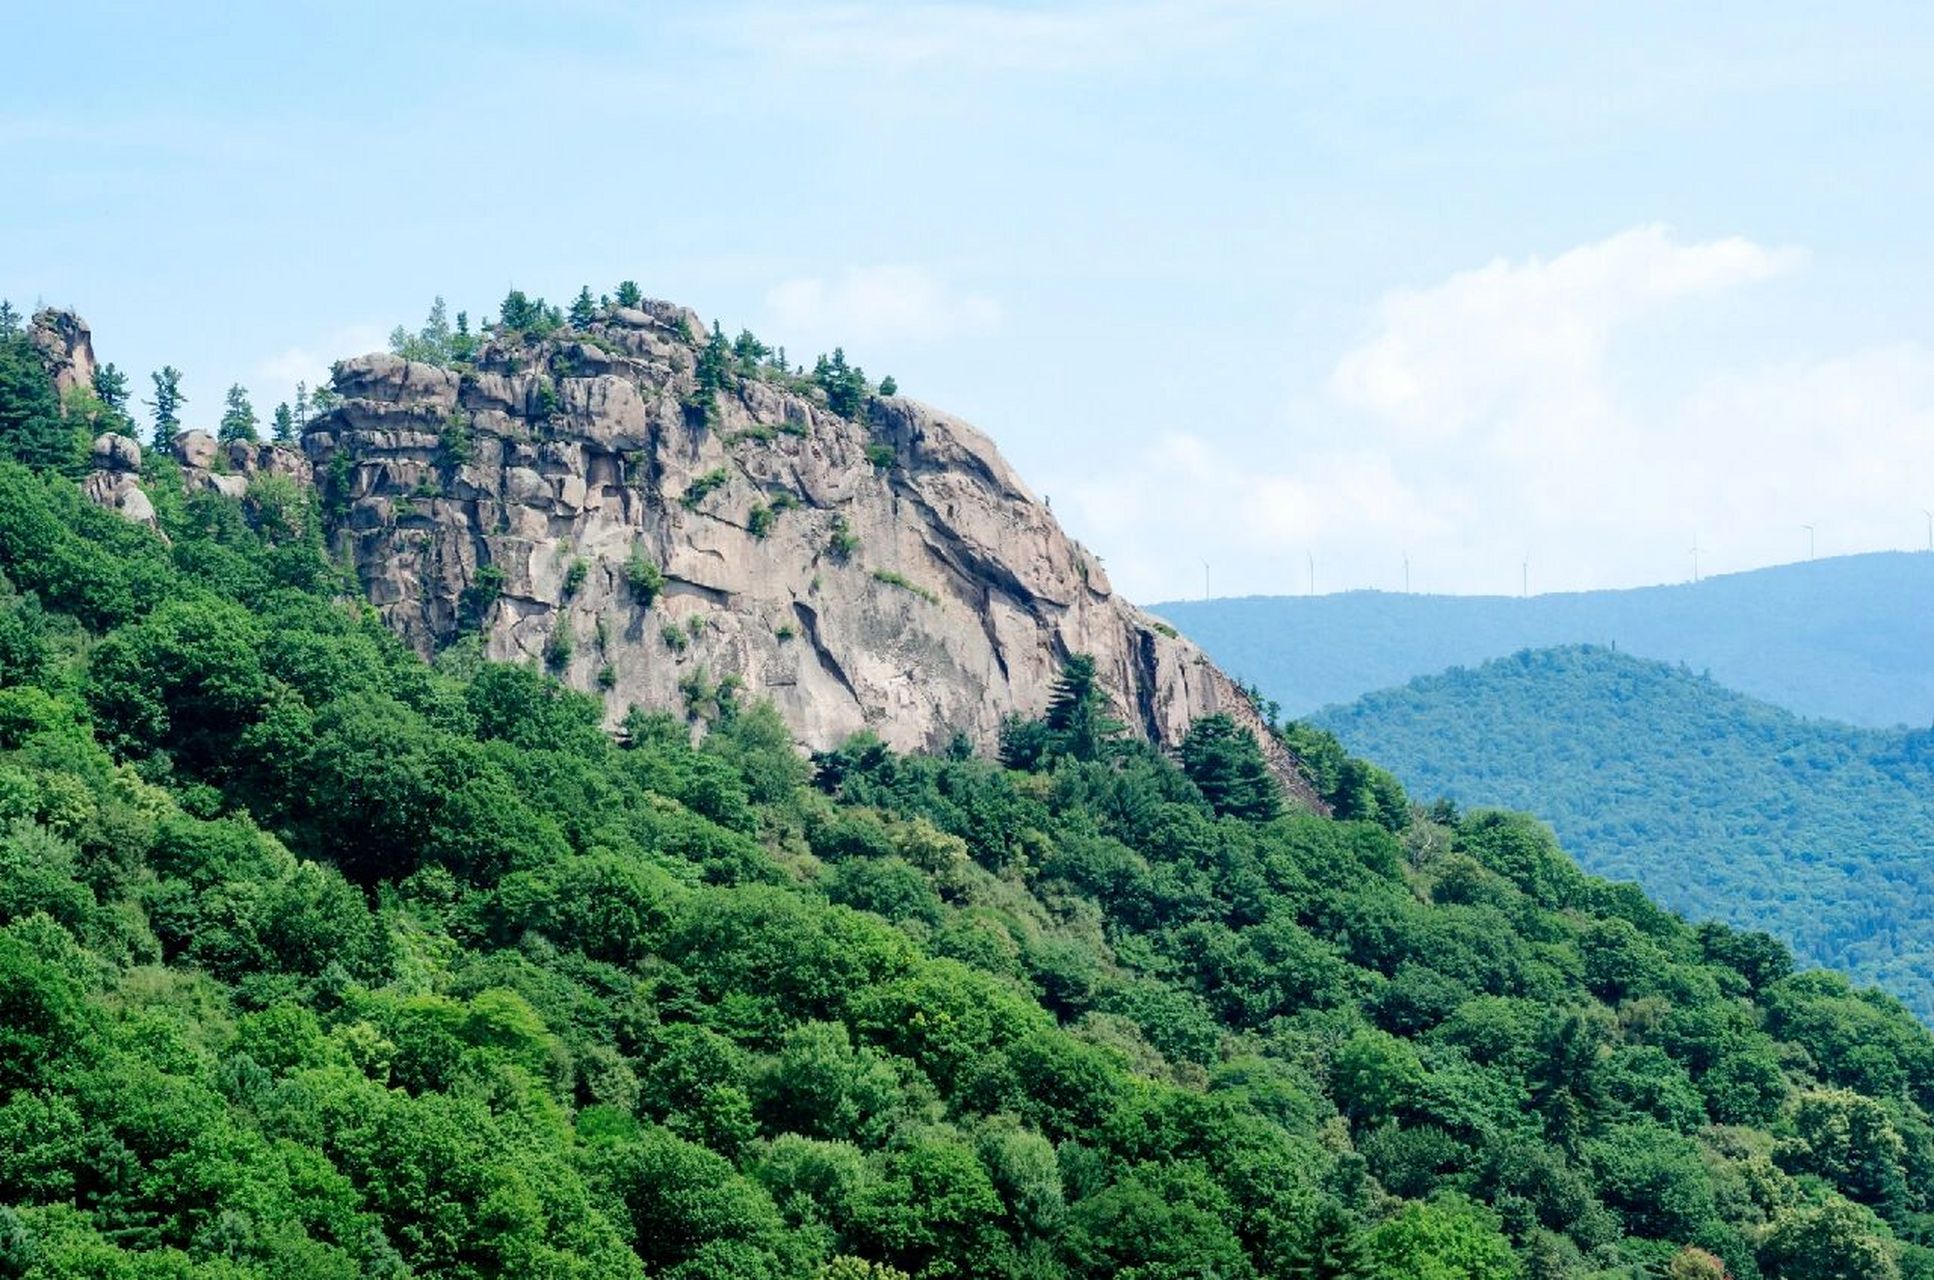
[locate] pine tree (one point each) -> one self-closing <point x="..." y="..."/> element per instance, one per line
<point x="238" y="417"/>
<point x="888" y="387"/>
<point x="1333" y="1250"/>
<point x="629" y="294"/>
<point x="463" y="343"/>
<point x="520" y="312"/>
<point x="166" y="404"/>
<point x="584" y="309"/>
<point x="111" y="385"/>
<point x="1224" y="762"/>
<point x="302" y="404"/>
<point x="31" y="427"/>
<point x="9" y="319"/>
<point x="284" y="429"/>
<point x="1077" y="717"/>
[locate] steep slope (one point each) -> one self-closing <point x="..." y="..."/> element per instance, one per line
<point x="1847" y="638"/>
<point x="321" y="960"/>
<point x="1720" y="805"/>
<point x="651" y="531"/>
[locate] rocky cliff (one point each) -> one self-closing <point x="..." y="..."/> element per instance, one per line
<point x="584" y="501"/>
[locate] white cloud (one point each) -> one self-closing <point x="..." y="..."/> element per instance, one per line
<point x="274" y="377"/>
<point x="900" y="36"/>
<point x="891" y="302"/>
<point x="1486" y="421"/>
<point x="1511" y="340"/>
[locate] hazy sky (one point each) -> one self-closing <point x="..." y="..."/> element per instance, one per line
<point x="1234" y="282"/>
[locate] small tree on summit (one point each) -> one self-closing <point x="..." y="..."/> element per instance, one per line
<point x="1227" y="767"/>
<point x="238" y="417"/>
<point x="584" y="309"/>
<point x="283" y="430"/>
<point x="166" y="404"/>
<point x="629" y="295"/>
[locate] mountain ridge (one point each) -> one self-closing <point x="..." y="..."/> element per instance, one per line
<point x="1844" y="637"/>
<point x="1719" y="804"/>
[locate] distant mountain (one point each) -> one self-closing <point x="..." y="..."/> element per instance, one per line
<point x="1849" y="638"/>
<point x="1718" y="804"/>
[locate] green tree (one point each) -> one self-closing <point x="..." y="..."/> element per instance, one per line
<point x="166" y="404"/>
<point x="1833" y="1241"/>
<point x="111" y="385"/>
<point x="238" y="417"/>
<point x="283" y="430"/>
<point x="1449" y="1239"/>
<point x="1077" y="714"/>
<point x="584" y="309"/>
<point x="32" y="430"/>
<point x="629" y="295"/>
<point x="1223" y="761"/>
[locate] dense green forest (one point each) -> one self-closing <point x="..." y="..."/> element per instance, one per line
<point x="1721" y="806"/>
<point x="318" y="960"/>
<point x="1846" y="638"/>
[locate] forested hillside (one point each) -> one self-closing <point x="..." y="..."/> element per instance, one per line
<point x="1721" y="806"/>
<point x="318" y="960"/>
<point x="1846" y="638"/>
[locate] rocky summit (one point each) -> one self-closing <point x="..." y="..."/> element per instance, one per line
<point x="586" y="501"/>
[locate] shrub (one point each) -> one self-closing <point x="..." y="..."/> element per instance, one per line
<point x="645" y="578"/>
<point x="560" y="647"/>
<point x="702" y="487"/>
<point x="842" y="541"/>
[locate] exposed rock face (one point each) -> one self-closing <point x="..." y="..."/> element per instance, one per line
<point x="115" y="481"/>
<point x="891" y="573"/>
<point x="572" y="501"/>
<point x="68" y="347"/>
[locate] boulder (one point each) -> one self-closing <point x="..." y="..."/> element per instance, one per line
<point x="195" y="449"/>
<point x="115" y="452"/>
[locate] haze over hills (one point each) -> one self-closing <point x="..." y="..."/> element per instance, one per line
<point x="1720" y="805"/>
<point x="1850" y="638"/>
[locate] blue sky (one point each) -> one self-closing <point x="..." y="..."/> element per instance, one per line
<point x="1234" y="282"/>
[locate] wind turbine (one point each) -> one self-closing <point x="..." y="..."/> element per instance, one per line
<point x="1809" y="540"/>
<point x="1406" y="568"/>
<point x="1695" y="557"/>
<point x="1312" y="572"/>
<point x="1930" y="527"/>
<point x="1205" y="579"/>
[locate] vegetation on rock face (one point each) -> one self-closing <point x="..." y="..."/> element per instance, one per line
<point x="1719" y="805"/>
<point x="317" y="960"/>
<point x="32" y="429"/>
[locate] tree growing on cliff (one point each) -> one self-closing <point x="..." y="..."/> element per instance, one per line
<point x="31" y="428"/>
<point x="166" y="404"/>
<point x="845" y="384"/>
<point x="111" y="385"/>
<point x="521" y="313"/>
<point x="238" y="417"/>
<point x="584" y="309"/>
<point x="283" y="429"/>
